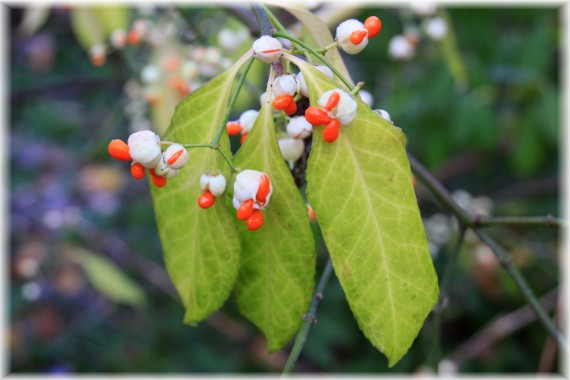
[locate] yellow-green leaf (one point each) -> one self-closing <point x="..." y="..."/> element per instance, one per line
<point x="86" y="27"/>
<point x="278" y="260"/>
<point x="109" y="280"/>
<point x="201" y="247"/>
<point x="360" y="188"/>
<point x="111" y="18"/>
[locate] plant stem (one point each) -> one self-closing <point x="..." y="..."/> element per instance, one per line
<point x="507" y="262"/>
<point x="438" y="310"/>
<point x="316" y="54"/>
<point x="262" y="19"/>
<point x="440" y="193"/>
<point x="464" y="218"/>
<point x="309" y="319"/>
<point x="273" y="19"/>
<point x="228" y="160"/>
<point x="231" y="104"/>
<point x="357" y="88"/>
<point x="548" y="220"/>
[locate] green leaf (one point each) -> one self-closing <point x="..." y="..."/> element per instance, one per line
<point x="201" y="247"/>
<point x="319" y="32"/>
<point x="111" y="18"/>
<point x="278" y="261"/>
<point x="109" y="280"/>
<point x="86" y="27"/>
<point x="360" y="188"/>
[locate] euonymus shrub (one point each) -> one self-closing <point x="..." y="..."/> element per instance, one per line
<point x="239" y="223"/>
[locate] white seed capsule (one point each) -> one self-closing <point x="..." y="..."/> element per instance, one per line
<point x="204" y="182"/>
<point x="263" y="98"/>
<point x="163" y="170"/>
<point x="291" y="149"/>
<point x="285" y="85"/>
<point x="144" y="147"/>
<point x="301" y="79"/>
<point x="366" y="97"/>
<point x="217" y="185"/>
<point x="247" y="119"/>
<point x="345" y="111"/>
<point x="299" y="128"/>
<point x="384" y="114"/>
<point x="175" y="156"/>
<point x="267" y="49"/>
<point x="247" y="184"/>
<point x="343" y="32"/>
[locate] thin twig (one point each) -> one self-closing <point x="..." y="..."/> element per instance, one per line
<point x="309" y="319"/>
<point x="464" y="218"/>
<point x="547" y="221"/>
<point x="507" y="262"/>
<point x="262" y="19"/>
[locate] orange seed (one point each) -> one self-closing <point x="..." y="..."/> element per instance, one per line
<point x="244" y="211"/>
<point x="119" y="150"/>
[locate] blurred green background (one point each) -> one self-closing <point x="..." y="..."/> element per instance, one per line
<point x="88" y="292"/>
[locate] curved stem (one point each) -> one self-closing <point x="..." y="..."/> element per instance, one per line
<point x="231" y="104"/>
<point x="227" y="159"/>
<point x="319" y="56"/>
<point x="273" y="19"/>
<point x="309" y="319"/>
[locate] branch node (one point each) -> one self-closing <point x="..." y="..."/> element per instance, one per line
<point x="319" y="296"/>
<point x="310" y="318"/>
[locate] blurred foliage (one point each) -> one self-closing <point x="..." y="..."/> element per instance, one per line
<point x="496" y="138"/>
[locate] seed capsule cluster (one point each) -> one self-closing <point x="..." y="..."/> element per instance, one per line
<point x="144" y="151"/>
<point x="252" y="192"/>
<point x="352" y="35"/>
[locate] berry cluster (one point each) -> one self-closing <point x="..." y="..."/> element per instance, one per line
<point x="143" y="149"/>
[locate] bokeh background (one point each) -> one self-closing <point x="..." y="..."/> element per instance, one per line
<point x="478" y="98"/>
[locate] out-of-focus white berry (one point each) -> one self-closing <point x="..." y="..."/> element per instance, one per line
<point x="189" y="70"/>
<point x="423" y="8"/>
<point x="118" y="38"/>
<point x="435" y="28"/>
<point x="299" y="128"/>
<point x="366" y="97"/>
<point x="301" y="79"/>
<point x="141" y="26"/>
<point x="144" y="147"/>
<point x="291" y="149"/>
<point x="247" y="119"/>
<point x="246" y="186"/>
<point x="212" y="55"/>
<point x="345" y="111"/>
<point x="384" y="114"/>
<point x="285" y="85"/>
<point x="401" y="48"/>
<point x="267" y="49"/>
<point x="176" y="156"/>
<point x="98" y="49"/>
<point x="150" y="74"/>
<point x="343" y="32"/>
<point x="230" y="40"/>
